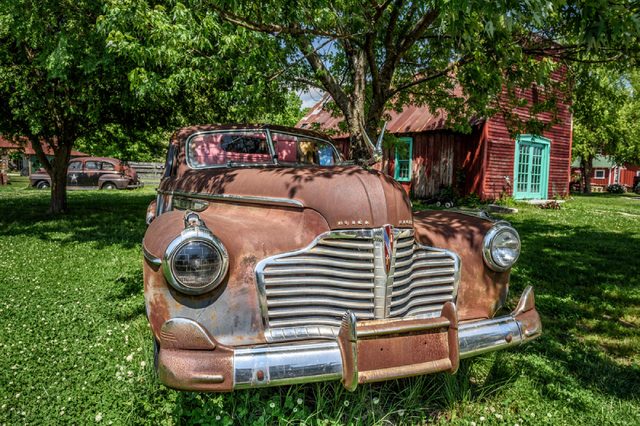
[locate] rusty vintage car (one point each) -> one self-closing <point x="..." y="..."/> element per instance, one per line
<point x="92" y="173"/>
<point x="268" y="260"/>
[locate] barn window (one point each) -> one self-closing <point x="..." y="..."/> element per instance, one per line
<point x="404" y="153"/>
<point x="599" y="174"/>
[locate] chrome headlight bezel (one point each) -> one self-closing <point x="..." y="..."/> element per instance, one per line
<point x="195" y="234"/>
<point x="488" y="247"/>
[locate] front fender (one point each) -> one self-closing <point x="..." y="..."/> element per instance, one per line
<point x="481" y="291"/>
<point x="231" y="312"/>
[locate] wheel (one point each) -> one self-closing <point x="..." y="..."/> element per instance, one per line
<point x="109" y="186"/>
<point x="43" y="184"/>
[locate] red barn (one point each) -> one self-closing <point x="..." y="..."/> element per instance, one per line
<point x="489" y="161"/>
<point x="605" y="172"/>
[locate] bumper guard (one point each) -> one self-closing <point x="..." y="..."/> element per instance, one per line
<point x="363" y="352"/>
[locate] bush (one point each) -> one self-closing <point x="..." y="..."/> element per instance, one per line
<point x="616" y="188"/>
<point x="637" y="188"/>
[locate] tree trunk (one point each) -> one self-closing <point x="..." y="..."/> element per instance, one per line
<point x="59" y="178"/>
<point x="586" y="166"/>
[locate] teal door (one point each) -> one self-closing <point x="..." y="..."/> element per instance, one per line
<point x="531" y="172"/>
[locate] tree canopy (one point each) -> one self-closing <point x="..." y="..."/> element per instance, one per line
<point x="606" y="106"/>
<point x="83" y="70"/>
<point x="455" y="55"/>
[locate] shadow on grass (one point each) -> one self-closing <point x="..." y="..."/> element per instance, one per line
<point x="103" y="218"/>
<point x="587" y="280"/>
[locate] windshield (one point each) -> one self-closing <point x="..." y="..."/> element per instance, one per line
<point x="248" y="147"/>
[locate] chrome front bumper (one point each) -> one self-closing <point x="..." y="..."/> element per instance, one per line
<point x="363" y="352"/>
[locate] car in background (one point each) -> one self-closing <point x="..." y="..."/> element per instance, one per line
<point x="93" y="173"/>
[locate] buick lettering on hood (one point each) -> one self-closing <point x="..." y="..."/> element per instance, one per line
<point x="269" y="260"/>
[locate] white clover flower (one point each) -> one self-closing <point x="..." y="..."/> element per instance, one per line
<point x="272" y="405"/>
<point x="143" y="364"/>
<point x="295" y="409"/>
<point x="299" y="401"/>
<point x="218" y="417"/>
<point x="129" y="357"/>
<point x="401" y="413"/>
<point x="346" y="403"/>
<point x="482" y="419"/>
<point x="99" y="417"/>
<point x="375" y="401"/>
<point x="473" y="423"/>
<point x="498" y="416"/>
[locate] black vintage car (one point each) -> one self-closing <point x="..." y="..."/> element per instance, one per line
<point x="93" y="173"/>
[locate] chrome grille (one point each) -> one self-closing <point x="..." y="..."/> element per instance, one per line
<point x="423" y="280"/>
<point x="305" y="293"/>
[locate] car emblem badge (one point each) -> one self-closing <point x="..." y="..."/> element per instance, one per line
<point x="388" y="247"/>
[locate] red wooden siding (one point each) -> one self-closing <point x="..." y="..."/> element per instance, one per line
<point x="499" y="173"/>
<point x="626" y="176"/>
<point x="442" y="158"/>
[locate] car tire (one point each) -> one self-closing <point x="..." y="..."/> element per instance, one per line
<point x="43" y="184"/>
<point x="109" y="186"/>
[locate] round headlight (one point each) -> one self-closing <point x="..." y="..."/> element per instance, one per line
<point x="195" y="262"/>
<point x="501" y="247"/>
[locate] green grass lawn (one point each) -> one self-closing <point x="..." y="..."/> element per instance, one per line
<point x="75" y="346"/>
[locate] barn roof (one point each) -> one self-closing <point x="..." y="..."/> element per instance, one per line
<point x="27" y="148"/>
<point x="412" y="119"/>
<point x="599" y="161"/>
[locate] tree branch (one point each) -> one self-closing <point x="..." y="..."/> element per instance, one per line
<point x="322" y="73"/>
<point x="291" y="29"/>
<point x="419" y="79"/>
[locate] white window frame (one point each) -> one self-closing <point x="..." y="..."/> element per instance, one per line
<point x="595" y="174"/>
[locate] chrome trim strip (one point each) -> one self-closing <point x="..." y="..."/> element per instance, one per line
<point x="156" y="261"/>
<point x="286" y="365"/>
<point x="250" y="199"/>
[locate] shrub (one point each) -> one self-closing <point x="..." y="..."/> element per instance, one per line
<point x="616" y="188"/>
<point x="637" y="188"/>
<point x="553" y="204"/>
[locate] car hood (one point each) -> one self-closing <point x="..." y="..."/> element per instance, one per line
<point x="346" y="196"/>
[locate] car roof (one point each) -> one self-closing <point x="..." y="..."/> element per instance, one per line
<point x="185" y="132"/>
<point x="108" y="159"/>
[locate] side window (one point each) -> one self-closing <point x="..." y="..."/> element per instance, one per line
<point x="404" y="154"/>
<point x="303" y="150"/>
<point x="92" y="165"/>
<point x="599" y="174"/>
<point x="75" y="166"/>
<point x="108" y="166"/>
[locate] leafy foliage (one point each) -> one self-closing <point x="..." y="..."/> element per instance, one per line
<point x="113" y="75"/>
<point x="458" y="56"/>
<point x="616" y="189"/>
<point x="607" y="116"/>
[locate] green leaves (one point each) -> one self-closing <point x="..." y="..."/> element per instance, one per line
<point x="606" y="105"/>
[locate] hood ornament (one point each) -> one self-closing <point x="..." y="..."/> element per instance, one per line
<point x="389" y="242"/>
